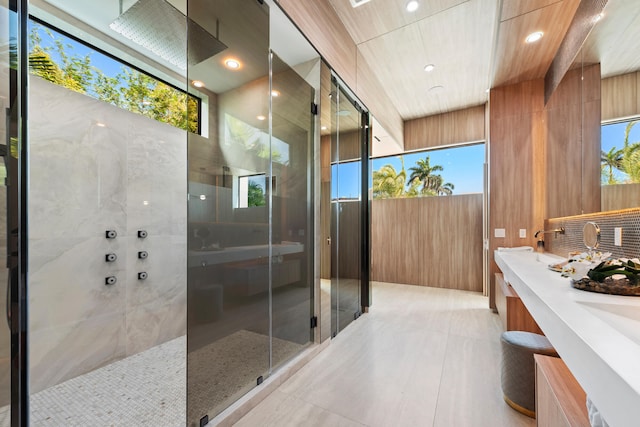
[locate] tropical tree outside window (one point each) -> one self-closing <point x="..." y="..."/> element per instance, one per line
<point x="79" y="67"/>
<point x="443" y="172"/>
<point x="251" y="191"/>
<point x="620" y="153"/>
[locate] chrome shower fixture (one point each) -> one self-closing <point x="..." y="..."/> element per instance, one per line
<point x="162" y="29"/>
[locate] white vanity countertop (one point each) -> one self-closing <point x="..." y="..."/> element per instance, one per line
<point x="597" y="335"/>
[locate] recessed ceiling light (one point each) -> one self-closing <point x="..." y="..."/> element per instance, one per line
<point x="429" y="68"/>
<point x="275" y="93"/>
<point x="323" y="128"/>
<point x="488" y="90"/>
<point x="412" y="6"/>
<point x="534" y="37"/>
<point x="232" y="64"/>
<point x="435" y="89"/>
<point x="100" y="124"/>
<point x="356" y="3"/>
<point x="203" y="197"/>
<point x="261" y="117"/>
<point x="197" y="83"/>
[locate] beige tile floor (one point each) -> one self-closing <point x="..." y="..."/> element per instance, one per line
<point x="420" y="357"/>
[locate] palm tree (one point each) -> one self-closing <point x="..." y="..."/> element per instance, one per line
<point x="424" y="172"/>
<point x="609" y="161"/>
<point x="387" y="183"/>
<point x="630" y="163"/>
<point x="442" y="188"/>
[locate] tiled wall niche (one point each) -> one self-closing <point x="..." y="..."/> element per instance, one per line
<point x="627" y="219"/>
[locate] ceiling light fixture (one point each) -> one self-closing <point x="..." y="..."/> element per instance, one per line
<point x="428" y="68"/>
<point x="412" y="6"/>
<point x="275" y="93"/>
<point x="356" y="3"/>
<point x="232" y="64"/>
<point x="197" y="83"/>
<point x="323" y="128"/>
<point x="100" y="124"/>
<point x="598" y="17"/>
<point x="534" y="37"/>
<point x="261" y="117"/>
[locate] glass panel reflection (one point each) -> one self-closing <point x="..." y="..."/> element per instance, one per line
<point x="292" y="272"/>
<point x="230" y="188"/>
<point x="346" y="210"/>
<point x="5" y="334"/>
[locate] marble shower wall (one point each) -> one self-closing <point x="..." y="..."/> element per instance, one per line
<point x="84" y="179"/>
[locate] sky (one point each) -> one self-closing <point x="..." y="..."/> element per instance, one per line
<point x="109" y="66"/>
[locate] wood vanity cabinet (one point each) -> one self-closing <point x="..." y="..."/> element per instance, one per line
<point x="513" y="313"/>
<point x="560" y="401"/>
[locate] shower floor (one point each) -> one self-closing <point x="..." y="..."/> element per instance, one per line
<point x="148" y="388"/>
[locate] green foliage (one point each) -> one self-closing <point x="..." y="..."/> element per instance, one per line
<point x="129" y="89"/>
<point x="631" y="155"/>
<point x="255" y="195"/>
<point x="626" y="160"/>
<point x="608" y="162"/>
<point x="388" y="183"/>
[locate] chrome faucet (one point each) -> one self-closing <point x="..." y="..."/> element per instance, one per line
<point x="556" y="231"/>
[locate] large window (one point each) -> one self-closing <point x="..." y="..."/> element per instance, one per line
<point x="443" y="172"/>
<point x="620" y="155"/>
<point x="70" y="63"/>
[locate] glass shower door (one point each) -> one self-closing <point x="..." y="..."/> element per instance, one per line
<point x="292" y="218"/>
<point x="5" y="333"/>
<point x="346" y="209"/>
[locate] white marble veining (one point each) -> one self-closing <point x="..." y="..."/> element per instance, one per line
<point x="95" y="167"/>
<point x="600" y="354"/>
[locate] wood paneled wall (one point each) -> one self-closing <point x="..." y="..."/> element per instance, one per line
<point x="428" y="241"/>
<point x="573" y="145"/>
<point x="620" y="96"/>
<point x="620" y="196"/>
<point x="320" y="24"/>
<point x="516" y="166"/>
<point x="544" y="160"/>
<point x="445" y="129"/>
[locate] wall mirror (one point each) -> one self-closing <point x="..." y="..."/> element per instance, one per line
<point x="613" y="44"/>
<point x="591" y="235"/>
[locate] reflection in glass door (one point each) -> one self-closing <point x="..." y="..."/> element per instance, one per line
<point x="5" y="333"/>
<point x="346" y="208"/>
<point x="292" y="137"/>
<point x="12" y="323"/>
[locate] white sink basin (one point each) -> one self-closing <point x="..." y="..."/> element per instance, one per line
<point x="547" y="259"/>
<point x="624" y="318"/>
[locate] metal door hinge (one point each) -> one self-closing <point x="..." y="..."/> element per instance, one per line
<point x="314" y="322"/>
<point x="314" y="108"/>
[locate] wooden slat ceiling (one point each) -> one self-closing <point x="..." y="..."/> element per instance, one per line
<point x="474" y="45"/>
<point x="614" y="42"/>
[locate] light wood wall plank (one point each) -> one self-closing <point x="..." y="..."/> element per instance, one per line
<point x="516" y="117"/>
<point x="573" y="144"/>
<point x="620" y="96"/>
<point x="620" y="196"/>
<point x="445" y="129"/>
<point x="513" y="8"/>
<point x="428" y="241"/>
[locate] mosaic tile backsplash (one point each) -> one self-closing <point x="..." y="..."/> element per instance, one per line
<point x="628" y="220"/>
